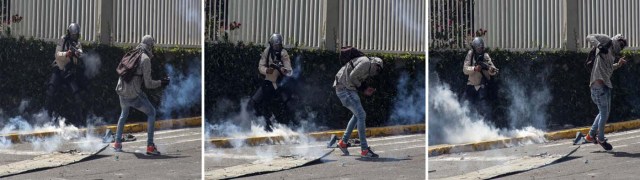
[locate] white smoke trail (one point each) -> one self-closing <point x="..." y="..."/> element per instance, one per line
<point x="40" y="122"/>
<point x="452" y="122"/>
<point x="92" y="64"/>
<point x="183" y="91"/>
<point x="245" y="124"/>
<point x="408" y="106"/>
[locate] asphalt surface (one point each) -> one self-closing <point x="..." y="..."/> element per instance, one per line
<point x="181" y="158"/>
<point x="401" y="157"/>
<point x="590" y="161"/>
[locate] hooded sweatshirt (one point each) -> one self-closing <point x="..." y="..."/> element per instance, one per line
<point x="604" y="63"/>
<point x="133" y="88"/>
<point x="351" y="77"/>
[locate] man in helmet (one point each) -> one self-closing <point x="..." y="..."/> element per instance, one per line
<point x="67" y="72"/>
<point x="480" y="69"/>
<point x="274" y="65"/>
<point x="348" y="81"/>
<point x="132" y="96"/>
<point x="608" y="49"/>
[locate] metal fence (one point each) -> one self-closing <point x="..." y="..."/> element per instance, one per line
<point x="48" y="19"/>
<point x="300" y="22"/>
<point x="610" y="17"/>
<point x="523" y="25"/>
<point x="451" y="23"/>
<point x="534" y="24"/>
<point x="171" y="22"/>
<point x="384" y="25"/>
<point x="371" y="25"/>
<point x="5" y="17"/>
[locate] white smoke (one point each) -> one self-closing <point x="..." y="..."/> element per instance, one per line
<point x="92" y="64"/>
<point x="452" y="122"/>
<point x="184" y="90"/>
<point x="529" y="104"/>
<point x="23" y="105"/>
<point x="41" y="122"/>
<point x="408" y="106"/>
<point x="245" y="124"/>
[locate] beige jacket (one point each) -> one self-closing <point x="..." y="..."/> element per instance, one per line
<point x="263" y="66"/>
<point x="61" y="58"/>
<point x="475" y="78"/>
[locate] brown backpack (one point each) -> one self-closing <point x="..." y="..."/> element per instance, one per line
<point x="347" y="53"/>
<point x="129" y="64"/>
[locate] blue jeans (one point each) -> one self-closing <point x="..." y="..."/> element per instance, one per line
<point x="140" y="103"/>
<point x="351" y="101"/>
<point x="601" y="96"/>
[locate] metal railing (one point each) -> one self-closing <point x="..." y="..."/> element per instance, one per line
<point x="171" y="22"/>
<point x="300" y="22"/>
<point x="522" y="25"/>
<point x="48" y="20"/>
<point x="611" y="18"/>
<point x="451" y="23"/>
<point x="5" y="17"/>
<point x="536" y="24"/>
<point x="371" y="25"/>
<point x="384" y="25"/>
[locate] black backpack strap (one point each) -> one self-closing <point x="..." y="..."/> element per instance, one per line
<point x="351" y="63"/>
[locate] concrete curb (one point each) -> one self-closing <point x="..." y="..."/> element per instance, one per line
<point x="128" y="128"/>
<point x="318" y="136"/>
<point x="510" y="142"/>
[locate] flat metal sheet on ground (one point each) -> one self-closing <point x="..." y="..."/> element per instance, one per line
<point x="52" y="160"/>
<point x="277" y="164"/>
<point x="518" y="165"/>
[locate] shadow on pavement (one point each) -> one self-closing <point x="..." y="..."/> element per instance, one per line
<point x="625" y="154"/>
<point x="320" y="161"/>
<point x="382" y="159"/>
<point x="94" y="157"/>
<point x="163" y="156"/>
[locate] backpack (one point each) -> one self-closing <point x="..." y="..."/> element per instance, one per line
<point x="129" y="64"/>
<point x="591" y="58"/>
<point x="347" y="53"/>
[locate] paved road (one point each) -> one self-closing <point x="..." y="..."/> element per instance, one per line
<point x="588" y="162"/>
<point x="181" y="159"/>
<point x="401" y="157"/>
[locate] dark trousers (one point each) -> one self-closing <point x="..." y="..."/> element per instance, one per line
<point x="55" y="84"/>
<point x="479" y="101"/>
<point x="267" y="102"/>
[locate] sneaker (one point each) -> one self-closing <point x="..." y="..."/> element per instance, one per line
<point x="368" y="153"/>
<point x="152" y="150"/>
<point x="267" y="128"/>
<point x="605" y="144"/>
<point x="590" y="139"/>
<point x="117" y="147"/>
<point x="343" y="147"/>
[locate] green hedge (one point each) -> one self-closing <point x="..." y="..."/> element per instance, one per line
<point x="231" y="74"/>
<point x="25" y="68"/>
<point x="562" y="71"/>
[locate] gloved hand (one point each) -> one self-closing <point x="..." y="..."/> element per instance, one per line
<point x="165" y="81"/>
<point x="78" y="53"/>
<point x="369" y="91"/>
<point x="69" y="53"/>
